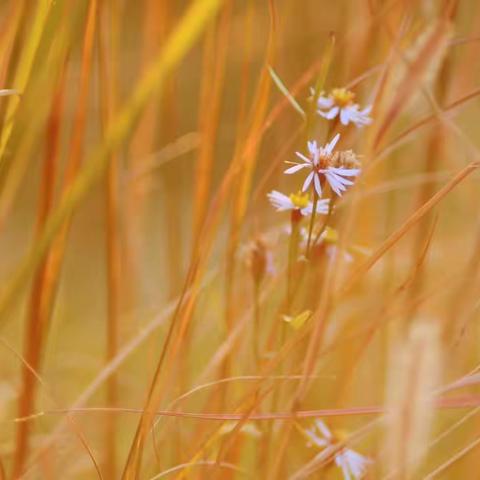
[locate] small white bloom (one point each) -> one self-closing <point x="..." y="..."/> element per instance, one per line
<point x="340" y="103"/>
<point x="352" y="464"/>
<point x="317" y="440"/>
<point x="298" y="202"/>
<point x="320" y="163"/>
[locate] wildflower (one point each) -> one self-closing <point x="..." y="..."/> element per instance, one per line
<point x="352" y="464"/>
<point x="296" y="202"/>
<point x="323" y="162"/>
<point x="319" y="427"/>
<point x="340" y="103"/>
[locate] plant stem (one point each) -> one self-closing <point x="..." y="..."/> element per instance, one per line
<point x="256" y="324"/>
<point x="292" y="256"/>
<point x="325" y="223"/>
<point x="312" y="222"/>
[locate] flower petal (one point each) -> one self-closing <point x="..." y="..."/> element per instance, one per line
<point x="316" y="440"/>
<point x="280" y="201"/>
<point x="331" y="114"/>
<point x="306" y="210"/>
<point x="312" y="147"/>
<point x="303" y="157"/>
<point x="344" y="467"/>
<point x="330" y="146"/>
<point x="339" y="178"/>
<point x="366" y="110"/>
<point x="295" y="168"/>
<point x="323" y="206"/>
<point x="335" y="183"/>
<point x="318" y="186"/>
<point x="345" y="116"/>
<point x="360" y="118"/>
<point x="322" y="427"/>
<point x="308" y="181"/>
<point x="345" y="172"/>
<point x="324" y="102"/>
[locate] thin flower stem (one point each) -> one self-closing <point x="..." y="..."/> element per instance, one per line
<point x="332" y="128"/>
<point x="327" y="219"/>
<point x="312" y="222"/>
<point x="256" y="324"/>
<point x="292" y="257"/>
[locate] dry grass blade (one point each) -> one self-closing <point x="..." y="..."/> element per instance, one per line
<point x="37" y="322"/>
<point x="414" y="376"/>
<point x="401" y="231"/>
<point x="230" y="230"/>
<point x="455" y="458"/>
<point x="436" y="41"/>
<point x="179" y="43"/>
<point x="24" y="69"/>
<point x="71" y="422"/>
<point x="215" y="58"/>
<point x="283" y="89"/>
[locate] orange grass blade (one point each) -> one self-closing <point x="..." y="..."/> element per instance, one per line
<point x="407" y="225"/>
<point x="180" y="41"/>
<point x="24" y="69"/>
<point x="215" y="57"/>
<point x="436" y="42"/>
<point x="73" y="426"/>
<point x="108" y="57"/>
<point x="37" y="323"/>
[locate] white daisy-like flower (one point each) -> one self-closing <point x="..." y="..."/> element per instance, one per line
<point x="352" y="464"/>
<point x="339" y="103"/>
<point x="321" y="163"/>
<point x="319" y="428"/>
<point x="298" y="202"/>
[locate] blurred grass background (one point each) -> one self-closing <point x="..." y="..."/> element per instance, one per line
<point x="134" y="167"/>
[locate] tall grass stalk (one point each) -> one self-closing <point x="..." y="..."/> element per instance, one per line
<point x="170" y="306"/>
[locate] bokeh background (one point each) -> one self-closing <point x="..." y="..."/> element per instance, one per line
<point x="135" y="159"/>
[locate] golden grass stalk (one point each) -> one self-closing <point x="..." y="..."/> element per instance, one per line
<point x="24" y="69"/>
<point x="44" y="287"/>
<point x="33" y="416"/>
<point x="126" y="97"/>
<point x="413" y="376"/>
<point x="407" y="225"/>
<point x="108" y="53"/>
<point x="37" y="322"/>
<point x="432" y="48"/>
<point x="180" y="41"/>
<point x="49" y="61"/>
<point x="157" y="124"/>
<point x="215" y="59"/>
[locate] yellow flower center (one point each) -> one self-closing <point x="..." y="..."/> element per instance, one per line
<point x="342" y="97"/>
<point x="300" y="199"/>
